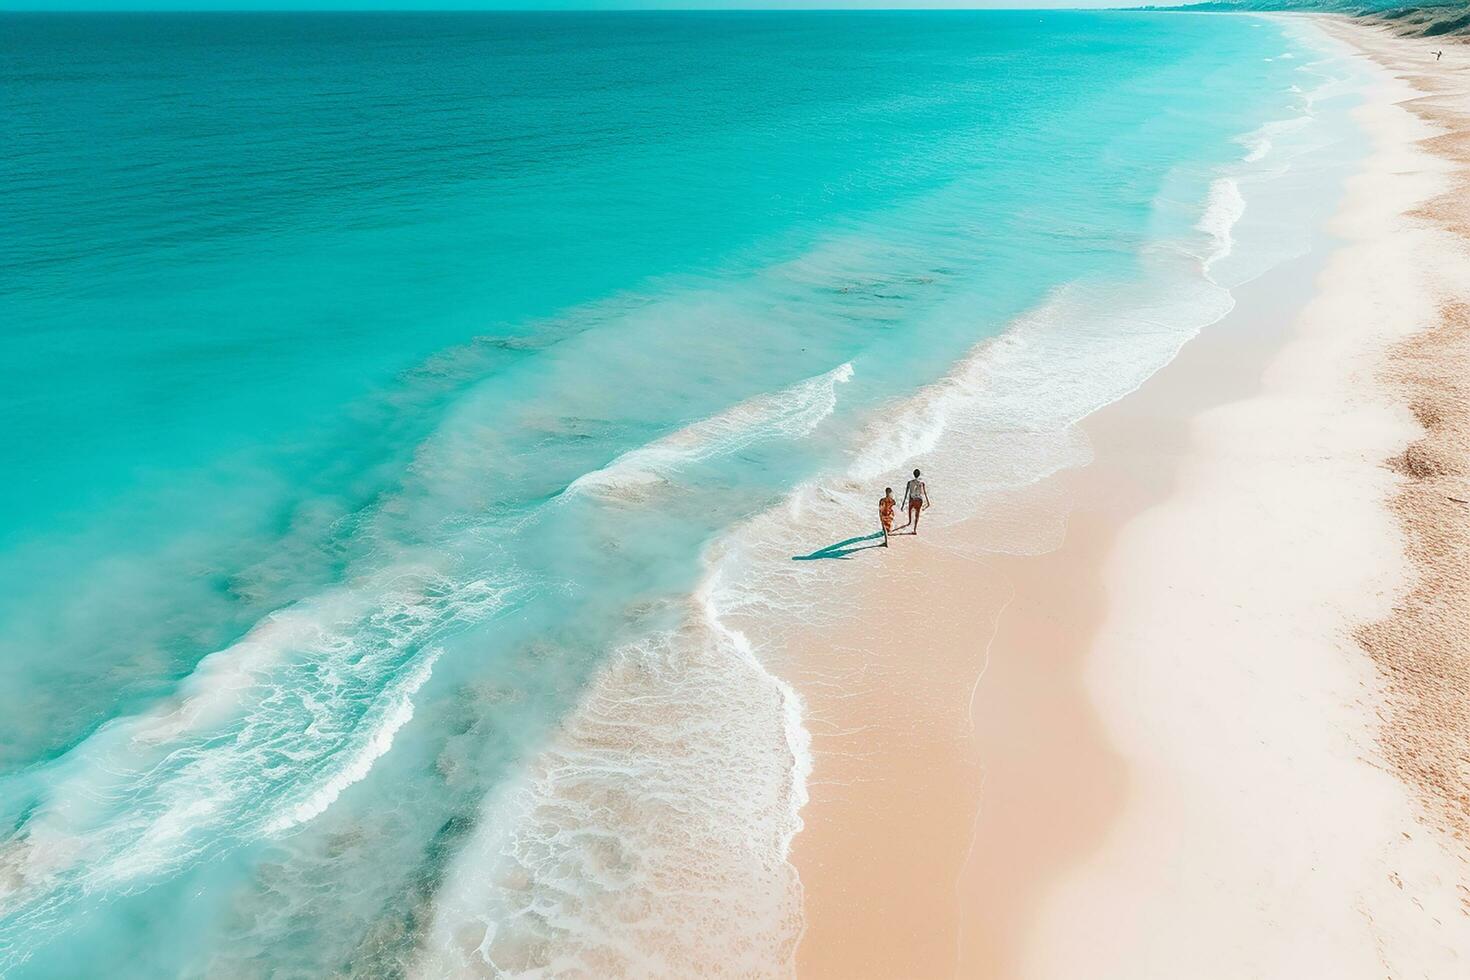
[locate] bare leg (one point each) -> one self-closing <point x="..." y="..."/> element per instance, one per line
<point x="914" y="519"/>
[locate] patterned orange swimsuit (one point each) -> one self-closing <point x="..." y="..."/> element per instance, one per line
<point x="885" y="513"/>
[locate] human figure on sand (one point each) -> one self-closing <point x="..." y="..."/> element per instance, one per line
<point x="916" y="499"/>
<point x="886" y="506"/>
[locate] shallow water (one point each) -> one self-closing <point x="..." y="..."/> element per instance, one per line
<point x="397" y="405"/>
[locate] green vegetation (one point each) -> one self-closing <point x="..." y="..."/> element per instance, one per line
<point x="1427" y="18"/>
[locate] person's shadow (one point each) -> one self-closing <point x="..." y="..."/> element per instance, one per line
<point x="843" y="549"/>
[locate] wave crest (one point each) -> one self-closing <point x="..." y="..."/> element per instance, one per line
<point x="791" y="413"/>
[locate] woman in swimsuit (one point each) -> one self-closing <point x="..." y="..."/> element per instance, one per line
<point x="886" y="505"/>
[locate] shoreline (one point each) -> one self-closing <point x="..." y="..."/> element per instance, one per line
<point x="1079" y="825"/>
<point x="1139" y="441"/>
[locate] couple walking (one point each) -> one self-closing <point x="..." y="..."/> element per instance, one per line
<point x="915" y="498"/>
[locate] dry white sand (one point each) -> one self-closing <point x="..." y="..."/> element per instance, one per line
<point x="1266" y="835"/>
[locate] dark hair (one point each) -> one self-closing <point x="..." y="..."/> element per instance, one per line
<point x="887" y="489"/>
<point x="916" y="472"/>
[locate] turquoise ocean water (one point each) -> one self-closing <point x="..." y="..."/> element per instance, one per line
<point x="390" y="404"/>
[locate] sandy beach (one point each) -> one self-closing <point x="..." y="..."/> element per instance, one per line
<point x="1221" y="731"/>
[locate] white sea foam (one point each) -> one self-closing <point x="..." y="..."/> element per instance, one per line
<point x="788" y="414"/>
<point x="650" y="837"/>
<point x="1005" y="416"/>
<point x="389" y="715"/>
<point x="1261" y="141"/>
<point x="1223" y="210"/>
<point x="1334" y="81"/>
<point x="261" y="737"/>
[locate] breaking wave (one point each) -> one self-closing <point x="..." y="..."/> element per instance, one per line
<point x="789" y="414"/>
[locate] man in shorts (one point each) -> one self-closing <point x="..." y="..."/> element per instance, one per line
<point x="916" y="499"/>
